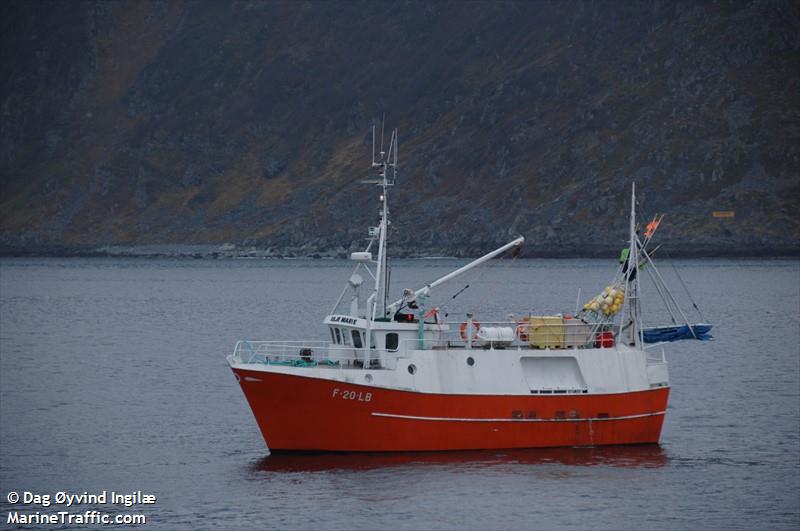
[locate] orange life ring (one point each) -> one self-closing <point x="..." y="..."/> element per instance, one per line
<point x="523" y="328"/>
<point x="475" y="327"/>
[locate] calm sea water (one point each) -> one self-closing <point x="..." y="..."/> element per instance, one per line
<point x="113" y="377"/>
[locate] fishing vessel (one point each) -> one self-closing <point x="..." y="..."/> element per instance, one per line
<point x="395" y="375"/>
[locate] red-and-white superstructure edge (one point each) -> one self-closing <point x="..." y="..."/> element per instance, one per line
<point x="426" y="385"/>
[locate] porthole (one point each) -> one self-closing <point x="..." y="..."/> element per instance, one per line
<point x="470" y="361"/>
<point x="368" y="378"/>
<point x="412" y="369"/>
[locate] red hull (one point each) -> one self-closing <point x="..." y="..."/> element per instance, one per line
<point x="308" y="414"/>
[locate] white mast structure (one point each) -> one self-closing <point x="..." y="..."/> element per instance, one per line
<point x="377" y="303"/>
<point x="631" y="273"/>
<point x="377" y="300"/>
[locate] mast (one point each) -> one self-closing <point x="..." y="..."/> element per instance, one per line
<point x="377" y="300"/>
<point x="632" y="277"/>
<point x="386" y="162"/>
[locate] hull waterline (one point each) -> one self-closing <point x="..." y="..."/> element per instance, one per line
<point x="296" y="413"/>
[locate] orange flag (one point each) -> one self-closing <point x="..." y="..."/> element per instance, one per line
<point x="652" y="226"/>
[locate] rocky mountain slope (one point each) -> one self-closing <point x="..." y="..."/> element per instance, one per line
<point x="247" y="123"/>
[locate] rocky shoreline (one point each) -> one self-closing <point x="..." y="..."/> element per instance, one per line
<point x="232" y="251"/>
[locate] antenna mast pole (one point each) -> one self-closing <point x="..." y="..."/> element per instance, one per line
<point x="632" y="276"/>
<point x="381" y="278"/>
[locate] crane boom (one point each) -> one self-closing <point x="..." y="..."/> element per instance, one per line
<point x="425" y="290"/>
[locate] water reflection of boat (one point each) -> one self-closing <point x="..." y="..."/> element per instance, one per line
<point x="637" y="456"/>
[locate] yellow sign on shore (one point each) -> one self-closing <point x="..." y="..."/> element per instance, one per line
<point x="724" y="214"/>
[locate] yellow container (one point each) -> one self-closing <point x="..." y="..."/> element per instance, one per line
<point x="546" y="332"/>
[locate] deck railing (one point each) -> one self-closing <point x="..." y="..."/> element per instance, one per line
<point x="533" y="333"/>
<point x="303" y="354"/>
<point x="526" y="335"/>
<point x="655" y="353"/>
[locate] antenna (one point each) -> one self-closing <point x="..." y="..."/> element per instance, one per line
<point x="383" y="127"/>
<point x="393" y="155"/>
<point x="373" y="145"/>
<point x="391" y="148"/>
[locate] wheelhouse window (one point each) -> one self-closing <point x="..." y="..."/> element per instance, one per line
<point x="392" y="341"/>
<point x="357" y="339"/>
<point x="333" y="337"/>
<point x="345" y="337"/>
<point x="338" y="337"/>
